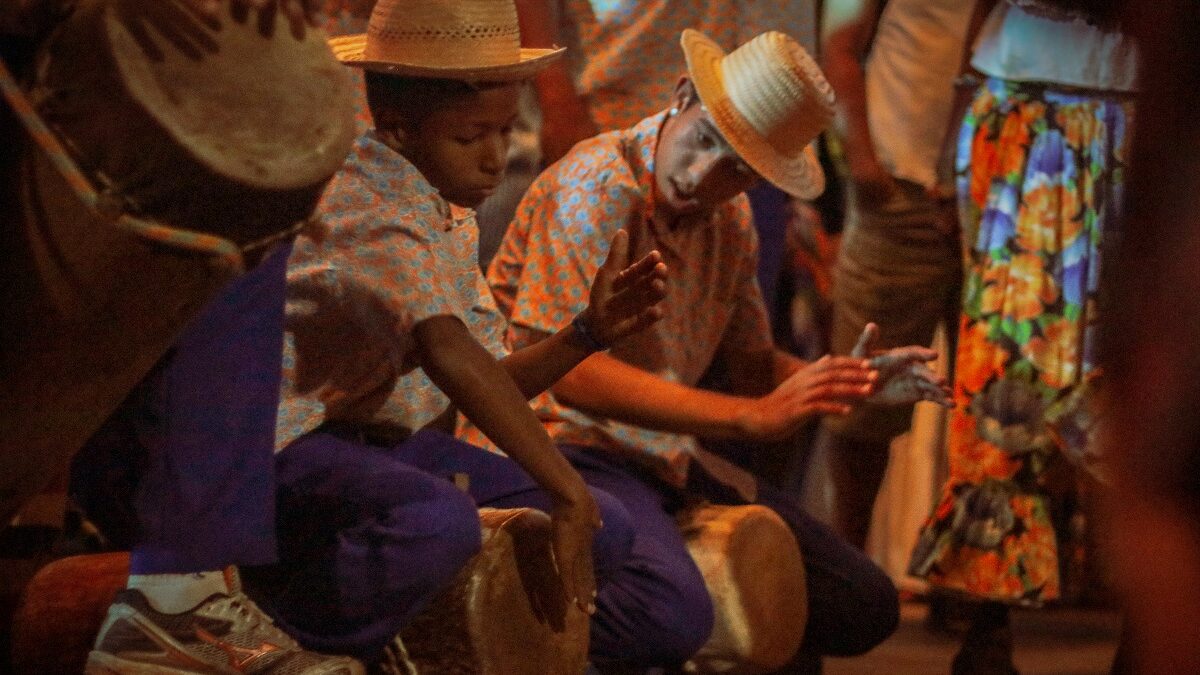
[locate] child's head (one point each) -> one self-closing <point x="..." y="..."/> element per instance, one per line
<point x="424" y="63"/>
<point x="739" y="118"/>
<point x="695" y="168"/>
<point x="455" y="132"/>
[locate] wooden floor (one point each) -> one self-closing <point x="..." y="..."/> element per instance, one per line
<point x="1048" y="642"/>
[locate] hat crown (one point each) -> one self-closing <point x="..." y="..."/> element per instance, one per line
<point x="779" y="90"/>
<point x="445" y="34"/>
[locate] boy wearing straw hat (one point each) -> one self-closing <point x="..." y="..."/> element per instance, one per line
<point x="391" y="330"/>
<point x="675" y="182"/>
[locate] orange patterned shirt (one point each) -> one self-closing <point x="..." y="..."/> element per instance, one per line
<point x="626" y="53"/>
<point x="558" y="240"/>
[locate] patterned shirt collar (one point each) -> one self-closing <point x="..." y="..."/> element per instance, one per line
<point x="383" y="168"/>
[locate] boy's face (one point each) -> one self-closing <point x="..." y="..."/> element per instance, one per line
<point x="461" y="148"/>
<point x="696" y="170"/>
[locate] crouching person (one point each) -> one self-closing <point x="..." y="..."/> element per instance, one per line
<point x="629" y="418"/>
<point x="391" y="330"/>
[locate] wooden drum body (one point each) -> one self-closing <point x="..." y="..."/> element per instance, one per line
<point x="752" y="566"/>
<point x="486" y="624"/>
<point x="483" y="624"/>
<point x="217" y="131"/>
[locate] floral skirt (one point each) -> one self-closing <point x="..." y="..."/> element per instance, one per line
<point x="1039" y="179"/>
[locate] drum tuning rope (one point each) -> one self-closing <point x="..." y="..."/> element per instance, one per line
<point x="102" y="204"/>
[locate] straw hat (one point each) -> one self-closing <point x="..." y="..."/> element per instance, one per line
<point x="770" y="101"/>
<point x="452" y="39"/>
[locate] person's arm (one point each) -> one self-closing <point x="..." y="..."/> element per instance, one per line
<point x="623" y="300"/>
<point x="847" y="29"/>
<point x="566" y="119"/>
<point x="609" y="387"/>
<point x="479" y="387"/>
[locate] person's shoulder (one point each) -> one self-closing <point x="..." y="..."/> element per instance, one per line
<point x="594" y="163"/>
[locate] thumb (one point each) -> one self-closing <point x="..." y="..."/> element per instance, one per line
<point x="866" y="341"/>
<point x="618" y="252"/>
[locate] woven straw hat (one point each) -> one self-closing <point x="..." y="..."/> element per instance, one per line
<point x="452" y="39"/>
<point x="770" y="101"/>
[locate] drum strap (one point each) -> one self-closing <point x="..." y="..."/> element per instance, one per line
<point x="108" y="208"/>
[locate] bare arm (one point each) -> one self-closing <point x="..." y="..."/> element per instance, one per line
<point x="606" y="386"/>
<point x="566" y="119"/>
<point x="483" y="391"/>
<point x="848" y="27"/>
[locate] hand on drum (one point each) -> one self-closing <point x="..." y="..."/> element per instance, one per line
<point x="625" y="297"/>
<point x="573" y="526"/>
<point x="904" y="374"/>
<point x="298" y="12"/>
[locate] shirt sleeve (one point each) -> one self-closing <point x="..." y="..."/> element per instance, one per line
<point x="543" y="272"/>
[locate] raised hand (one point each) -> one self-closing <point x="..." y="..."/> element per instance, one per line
<point x="625" y="298"/>
<point x="573" y="526"/>
<point x="828" y="386"/>
<point x="298" y="12"/>
<point x="904" y="373"/>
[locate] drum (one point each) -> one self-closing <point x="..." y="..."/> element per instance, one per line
<point x="751" y="564"/>
<point x="485" y="623"/>
<point x="220" y="136"/>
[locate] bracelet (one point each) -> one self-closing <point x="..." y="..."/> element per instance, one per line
<point x="585" y="336"/>
<point x="969" y="80"/>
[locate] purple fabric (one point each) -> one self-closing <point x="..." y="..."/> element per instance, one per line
<point x="183" y="471"/>
<point x="369" y="535"/>
<point x="853" y="605"/>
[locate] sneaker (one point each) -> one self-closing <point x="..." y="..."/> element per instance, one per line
<point x="223" y="634"/>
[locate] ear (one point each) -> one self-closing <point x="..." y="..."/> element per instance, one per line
<point x="392" y="135"/>
<point x="684" y="94"/>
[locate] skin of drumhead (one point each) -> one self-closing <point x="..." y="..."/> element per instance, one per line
<point x="270" y="112"/>
<point x="751" y="564"/>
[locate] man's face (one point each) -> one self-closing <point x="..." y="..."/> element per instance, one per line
<point x="696" y="170"/>
<point x="461" y="148"/>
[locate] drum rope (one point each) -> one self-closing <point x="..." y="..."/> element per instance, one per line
<point x="101" y="205"/>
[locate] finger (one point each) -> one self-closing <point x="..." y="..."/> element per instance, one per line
<point x="618" y="253"/>
<point x="650" y="266"/>
<point x="900" y="356"/>
<point x="865" y="341"/>
<point x="297" y="15"/>
<point x="585" y="583"/>
<point x="829" y="408"/>
<point x="312" y="10"/>
<point x="266" y="19"/>
<point x="634" y="300"/>
<point x="838" y="393"/>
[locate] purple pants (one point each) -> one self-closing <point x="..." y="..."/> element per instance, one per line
<point x="369" y="535"/>
<point x="182" y="473"/>
<point x="853" y="605"/>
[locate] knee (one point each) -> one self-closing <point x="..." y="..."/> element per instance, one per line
<point x="871" y="613"/>
<point x="614" y="540"/>
<point x="652" y="622"/>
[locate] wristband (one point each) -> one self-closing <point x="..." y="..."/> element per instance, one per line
<point x="585" y="336"/>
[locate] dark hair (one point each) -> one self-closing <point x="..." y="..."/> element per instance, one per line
<point x="415" y="98"/>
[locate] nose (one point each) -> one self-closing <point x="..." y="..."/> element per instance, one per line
<point x="701" y="167"/>
<point x="495" y="152"/>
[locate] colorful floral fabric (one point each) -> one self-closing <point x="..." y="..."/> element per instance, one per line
<point x="626" y="52"/>
<point x="1039" y="182"/>
<point x="559" y="239"/>
<point x="387" y="253"/>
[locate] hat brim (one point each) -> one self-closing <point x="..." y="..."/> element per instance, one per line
<point x="799" y="175"/>
<point x="350" y="50"/>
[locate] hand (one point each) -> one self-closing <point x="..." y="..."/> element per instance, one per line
<point x="562" y="127"/>
<point x="625" y="298"/>
<point x="904" y="376"/>
<point x="829" y="386"/>
<point x="573" y="524"/>
<point x="298" y="12"/>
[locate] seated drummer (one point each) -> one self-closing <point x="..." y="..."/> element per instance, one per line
<point x="629" y="418"/>
<point x="391" y="329"/>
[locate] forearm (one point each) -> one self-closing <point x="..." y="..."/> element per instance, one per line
<point x="848" y="30"/>
<point x="537" y="367"/>
<point x="608" y="387"/>
<point x="483" y="391"/>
